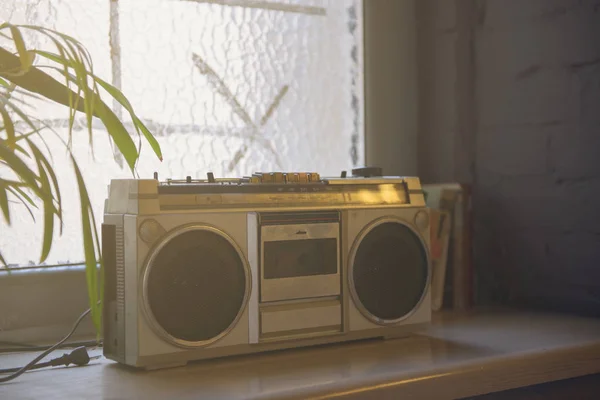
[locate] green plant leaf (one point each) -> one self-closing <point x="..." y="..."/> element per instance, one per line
<point x="23" y="198"/>
<point x="116" y="94"/>
<point x="59" y="93"/>
<point x="82" y="84"/>
<point x="37" y="81"/>
<point x="88" y="247"/>
<point x="48" y="214"/>
<point x="45" y="167"/>
<point x="9" y="127"/>
<point x="44" y="191"/>
<point x="4" y="204"/>
<point x="79" y="92"/>
<point x="21" y="192"/>
<point x="119" y="134"/>
<point x="21" y="114"/>
<point x="22" y="170"/>
<point x="74" y="55"/>
<point x="115" y="128"/>
<point x="64" y="59"/>
<point x="26" y="61"/>
<point x="25" y="57"/>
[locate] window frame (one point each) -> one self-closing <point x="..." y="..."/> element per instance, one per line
<point x="41" y="303"/>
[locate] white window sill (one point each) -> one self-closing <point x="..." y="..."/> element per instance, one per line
<point x="41" y="304"/>
<point x="455" y="358"/>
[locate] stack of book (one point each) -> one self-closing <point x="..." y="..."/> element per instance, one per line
<point x="452" y="270"/>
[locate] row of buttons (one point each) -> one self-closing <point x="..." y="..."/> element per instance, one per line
<point x="285" y="177"/>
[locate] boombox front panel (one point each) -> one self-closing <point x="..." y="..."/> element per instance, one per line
<point x="195" y="285"/>
<point x="145" y="333"/>
<point x="389" y="271"/>
<point x="158" y="280"/>
<point x="401" y="267"/>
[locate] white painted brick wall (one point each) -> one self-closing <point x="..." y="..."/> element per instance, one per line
<point x="508" y="150"/>
<point x="444" y="15"/>
<point x="574" y="151"/>
<point x="538" y="150"/>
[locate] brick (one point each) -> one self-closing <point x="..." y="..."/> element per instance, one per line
<point x="488" y="207"/>
<point x="444" y="15"/>
<point x="532" y="71"/>
<point x="525" y="212"/>
<point x="533" y="259"/>
<point x="436" y="145"/>
<point x="489" y="264"/>
<point x="561" y="40"/>
<point x="438" y="132"/>
<point x="529" y="202"/>
<point x="587" y="77"/>
<point x="527" y="257"/>
<point x="580" y="209"/>
<point x="444" y="79"/>
<point x="501" y="13"/>
<point x="527" y="247"/>
<point x="514" y="151"/>
<point x="486" y="178"/>
<point x="574" y="153"/>
<point x="574" y="257"/>
<point x="546" y="97"/>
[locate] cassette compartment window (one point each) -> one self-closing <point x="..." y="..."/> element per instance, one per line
<point x="294" y="258"/>
<point x="300" y="260"/>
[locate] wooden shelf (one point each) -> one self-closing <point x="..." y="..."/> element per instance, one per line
<point x="458" y="356"/>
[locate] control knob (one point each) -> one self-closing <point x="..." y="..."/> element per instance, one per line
<point x="367" y="172"/>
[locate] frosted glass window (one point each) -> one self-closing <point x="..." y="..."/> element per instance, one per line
<point x="227" y="86"/>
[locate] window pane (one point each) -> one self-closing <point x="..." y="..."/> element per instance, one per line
<point x="228" y="86"/>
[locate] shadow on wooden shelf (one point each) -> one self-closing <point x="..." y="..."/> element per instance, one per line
<point x="581" y="388"/>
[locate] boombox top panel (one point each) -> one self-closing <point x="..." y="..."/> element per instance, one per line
<point x="263" y="191"/>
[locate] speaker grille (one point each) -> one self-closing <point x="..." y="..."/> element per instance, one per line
<point x="389" y="272"/>
<point x="196" y="286"/>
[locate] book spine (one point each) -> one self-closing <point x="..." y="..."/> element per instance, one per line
<point x="460" y="298"/>
<point x="461" y="260"/>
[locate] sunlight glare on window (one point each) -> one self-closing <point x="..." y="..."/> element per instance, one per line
<point x="227" y="86"/>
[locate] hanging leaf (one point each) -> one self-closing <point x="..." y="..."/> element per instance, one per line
<point x="21" y="169"/>
<point x="80" y="92"/>
<point x="91" y="271"/>
<point x="38" y="81"/>
<point x="46" y="171"/>
<point x="115" y="93"/>
<point x="119" y="134"/>
<point x="24" y="199"/>
<point x="25" y="57"/>
<point x="4" y="203"/>
<point x="9" y="127"/>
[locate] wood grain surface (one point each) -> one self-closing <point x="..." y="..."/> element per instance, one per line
<point x="458" y="356"/>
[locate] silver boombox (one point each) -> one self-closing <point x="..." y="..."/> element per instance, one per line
<point x="197" y="269"/>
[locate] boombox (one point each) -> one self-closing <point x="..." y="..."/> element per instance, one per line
<point x="205" y="268"/>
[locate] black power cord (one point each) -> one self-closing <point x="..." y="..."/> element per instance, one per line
<point x="78" y="356"/>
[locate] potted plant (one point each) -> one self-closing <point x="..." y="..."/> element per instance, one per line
<point x="62" y="75"/>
